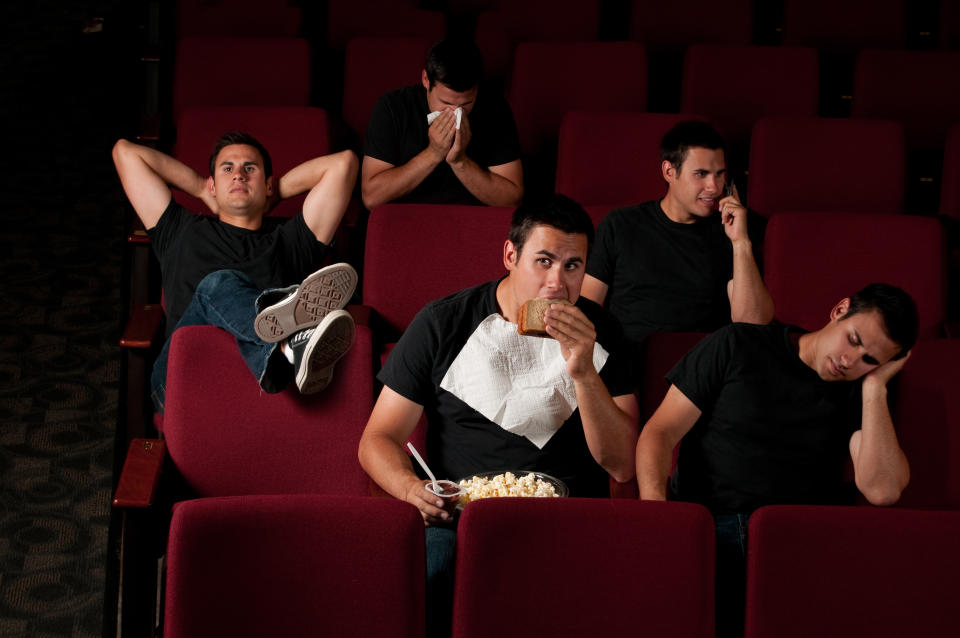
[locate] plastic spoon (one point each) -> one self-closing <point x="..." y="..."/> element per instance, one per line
<point x="423" y="464"/>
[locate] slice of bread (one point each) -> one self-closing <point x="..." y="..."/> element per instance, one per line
<point x="530" y="322"/>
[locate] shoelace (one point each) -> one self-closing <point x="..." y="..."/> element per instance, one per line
<point x="301" y="336"/>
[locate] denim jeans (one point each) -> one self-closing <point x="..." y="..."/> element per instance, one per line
<point x="441" y="561"/>
<point x="731" y="573"/>
<point x="228" y="299"/>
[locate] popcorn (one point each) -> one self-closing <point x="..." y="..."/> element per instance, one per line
<point x="506" y="484"/>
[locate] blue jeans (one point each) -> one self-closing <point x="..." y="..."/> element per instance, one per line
<point x="441" y="561"/>
<point x="228" y="299"/>
<point x="731" y="573"/>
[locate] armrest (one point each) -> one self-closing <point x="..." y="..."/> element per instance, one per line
<point x="361" y="314"/>
<point x="137" y="234"/>
<point x="143" y="328"/>
<point x="141" y="472"/>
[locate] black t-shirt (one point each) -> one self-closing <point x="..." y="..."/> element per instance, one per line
<point x="663" y="275"/>
<point x="771" y="431"/>
<point x="190" y="246"/>
<point x="398" y="131"/>
<point x="460" y="440"/>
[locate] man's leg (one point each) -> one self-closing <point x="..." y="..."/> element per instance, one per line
<point x="731" y="574"/>
<point x="441" y="554"/>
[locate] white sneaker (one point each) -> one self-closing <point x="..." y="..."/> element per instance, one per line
<point x="324" y="291"/>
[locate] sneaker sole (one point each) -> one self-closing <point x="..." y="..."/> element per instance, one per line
<point x="327" y="345"/>
<point x="318" y="295"/>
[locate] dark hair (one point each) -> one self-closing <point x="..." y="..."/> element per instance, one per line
<point x="455" y="63"/>
<point x="556" y="211"/>
<point x="686" y="135"/>
<point x="239" y="137"/>
<point x="896" y="307"/>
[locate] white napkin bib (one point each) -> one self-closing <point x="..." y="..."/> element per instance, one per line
<point x="434" y="115"/>
<point x="518" y="382"/>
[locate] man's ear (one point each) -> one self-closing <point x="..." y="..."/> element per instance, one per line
<point x="424" y="80"/>
<point x="840" y="310"/>
<point x="510" y="255"/>
<point x="270" y="186"/>
<point x="211" y="186"/>
<point x="668" y="171"/>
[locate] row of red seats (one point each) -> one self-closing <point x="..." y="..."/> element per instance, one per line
<point x="312" y="565"/>
<point x="499" y="24"/>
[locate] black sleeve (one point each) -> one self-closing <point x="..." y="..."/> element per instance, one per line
<point x="502" y="140"/>
<point x="302" y="252"/>
<point x="618" y="372"/>
<point x="172" y="221"/>
<point x="603" y="258"/>
<point x="383" y="131"/>
<point x="408" y="370"/>
<point x="702" y="372"/>
<point x="757" y="229"/>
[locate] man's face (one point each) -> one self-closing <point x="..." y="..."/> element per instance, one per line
<point x="697" y="186"/>
<point x="849" y="348"/>
<point x="551" y="264"/>
<point x="239" y="183"/>
<point x="441" y="97"/>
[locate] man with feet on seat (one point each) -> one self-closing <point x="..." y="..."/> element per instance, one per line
<point x="234" y="270"/>
<point x="443" y="141"/>
<point x="685" y="262"/>
<point x="770" y="415"/>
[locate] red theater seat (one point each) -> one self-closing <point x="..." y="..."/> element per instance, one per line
<point x="845" y="24"/>
<point x="852" y="571"/>
<point x="291" y="134"/>
<point x="950" y="185"/>
<point x="238" y="17"/>
<point x="826" y="164"/>
<point x="295" y="566"/>
<point x="276" y="72"/>
<point x="813" y="260"/>
<point x="347" y="19"/>
<point x="612" y="159"/>
<point x="665" y="25"/>
<point x="583" y="567"/>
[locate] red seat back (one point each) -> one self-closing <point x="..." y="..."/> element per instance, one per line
<point x="950" y="185"/>
<point x="238" y="17"/>
<point x="347" y="19"/>
<point x="826" y="164"/>
<point x="225" y="436"/>
<point x="583" y="567"/>
<point x="291" y="134"/>
<point x="813" y="260"/>
<point x="295" y="566"/>
<point x="852" y="571"/>
<point x="667" y="25"/>
<point x="845" y="24"/>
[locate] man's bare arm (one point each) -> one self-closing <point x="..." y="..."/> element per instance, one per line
<point x="749" y="300"/>
<point x="330" y="180"/>
<point x="673" y="419"/>
<point x="881" y="470"/>
<point x="382" y="455"/>
<point x="147" y="174"/>
<point x="499" y="186"/>
<point x="594" y="289"/>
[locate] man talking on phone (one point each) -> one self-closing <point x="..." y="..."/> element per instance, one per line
<point x="686" y="262"/>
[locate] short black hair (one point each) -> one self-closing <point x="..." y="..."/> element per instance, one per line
<point x="239" y="137"/>
<point x="896" y="307"/>
<point x="686" y="135"/>
<point x="454" y="63"/>
<point x="556" y="211"/>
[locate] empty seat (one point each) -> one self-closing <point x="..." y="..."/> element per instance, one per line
<point x="813" y="260"/>
<point x="274" y="72"/>
<point x="950" y="185"/>
<point x="291" y="134"/>
<point x="583" y="567"/>
<point x="416" y="253"/>
<point x="845" y="24"/>
<point x="243" y="17"/>
<point x="612" y="159"/>
<point x="548" y="81"/>
<point x="295" y="566"/>
<point x="347" y="19"/>
<point x="826" y="164"/>
<point x="949" y="26"/>
<point x="225" y="436"/>
<point x="374" y="66"/>
<point x="915" y="88"/>
<point x="663" y="25"/>
<point x="721" y="83"/>
<point x="500" y="29"/>
<point x="926" y="413"/>
<point x="852" y="571"/>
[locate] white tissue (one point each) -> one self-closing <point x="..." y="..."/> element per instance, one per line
<point x="434" y="115"/>
<point x="518" y="382"/>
